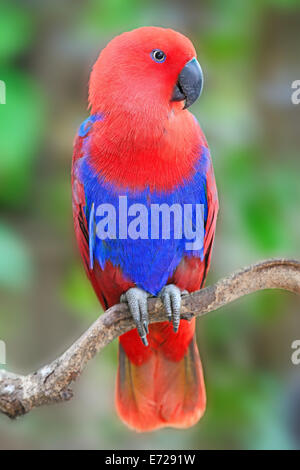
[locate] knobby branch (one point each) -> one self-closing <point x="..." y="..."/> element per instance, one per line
<point x="52" y="383"/>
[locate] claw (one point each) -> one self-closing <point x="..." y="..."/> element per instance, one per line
<point x="171" y="298"/>
<point x="137" y="303"/>
<point x="146" y="327"/>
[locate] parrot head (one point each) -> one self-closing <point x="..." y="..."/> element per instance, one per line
<point x="147" y="68"/>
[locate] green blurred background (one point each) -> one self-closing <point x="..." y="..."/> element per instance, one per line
<point x="249" y="52"/>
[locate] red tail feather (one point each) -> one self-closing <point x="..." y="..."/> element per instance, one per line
<point x="161" y="389"/>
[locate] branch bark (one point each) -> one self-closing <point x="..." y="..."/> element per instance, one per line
<point x="51" y="384"/>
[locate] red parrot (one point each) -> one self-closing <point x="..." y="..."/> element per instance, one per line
<point x="138" y="152"/>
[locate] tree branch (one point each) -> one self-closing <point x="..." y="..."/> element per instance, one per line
<point x="51" y="384"/>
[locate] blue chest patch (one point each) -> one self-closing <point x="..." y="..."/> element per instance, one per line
<point x="134" y="231"/>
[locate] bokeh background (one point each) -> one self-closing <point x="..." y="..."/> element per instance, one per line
<point x="249" y="52"/>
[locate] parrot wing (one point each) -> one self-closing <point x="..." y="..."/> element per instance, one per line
<point x="79" y="203"/>
<point x="109" y="283"/>
<point x="83" y="216"/>
<point x="213" y="208"/>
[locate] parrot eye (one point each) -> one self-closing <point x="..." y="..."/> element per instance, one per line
<point x="158" y="56"/>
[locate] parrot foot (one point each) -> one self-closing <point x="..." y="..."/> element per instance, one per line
<point x="171" y="298"/>
<point x="137" y="303"/>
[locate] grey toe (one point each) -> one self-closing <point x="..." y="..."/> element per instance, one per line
<point x="171" y="298"/>
<point x="137" y="303"/>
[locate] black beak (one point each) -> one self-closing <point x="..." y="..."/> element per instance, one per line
<point x="189" y="84"/>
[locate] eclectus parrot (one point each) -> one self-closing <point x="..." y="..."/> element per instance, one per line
<point x="141" y="142"/>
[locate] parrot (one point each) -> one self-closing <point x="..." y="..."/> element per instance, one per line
<point x="141" y="143"/>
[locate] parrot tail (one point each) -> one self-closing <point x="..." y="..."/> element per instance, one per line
<point x="161" y="385"/>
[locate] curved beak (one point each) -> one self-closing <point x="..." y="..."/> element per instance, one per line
<point x="189" y="84"/>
